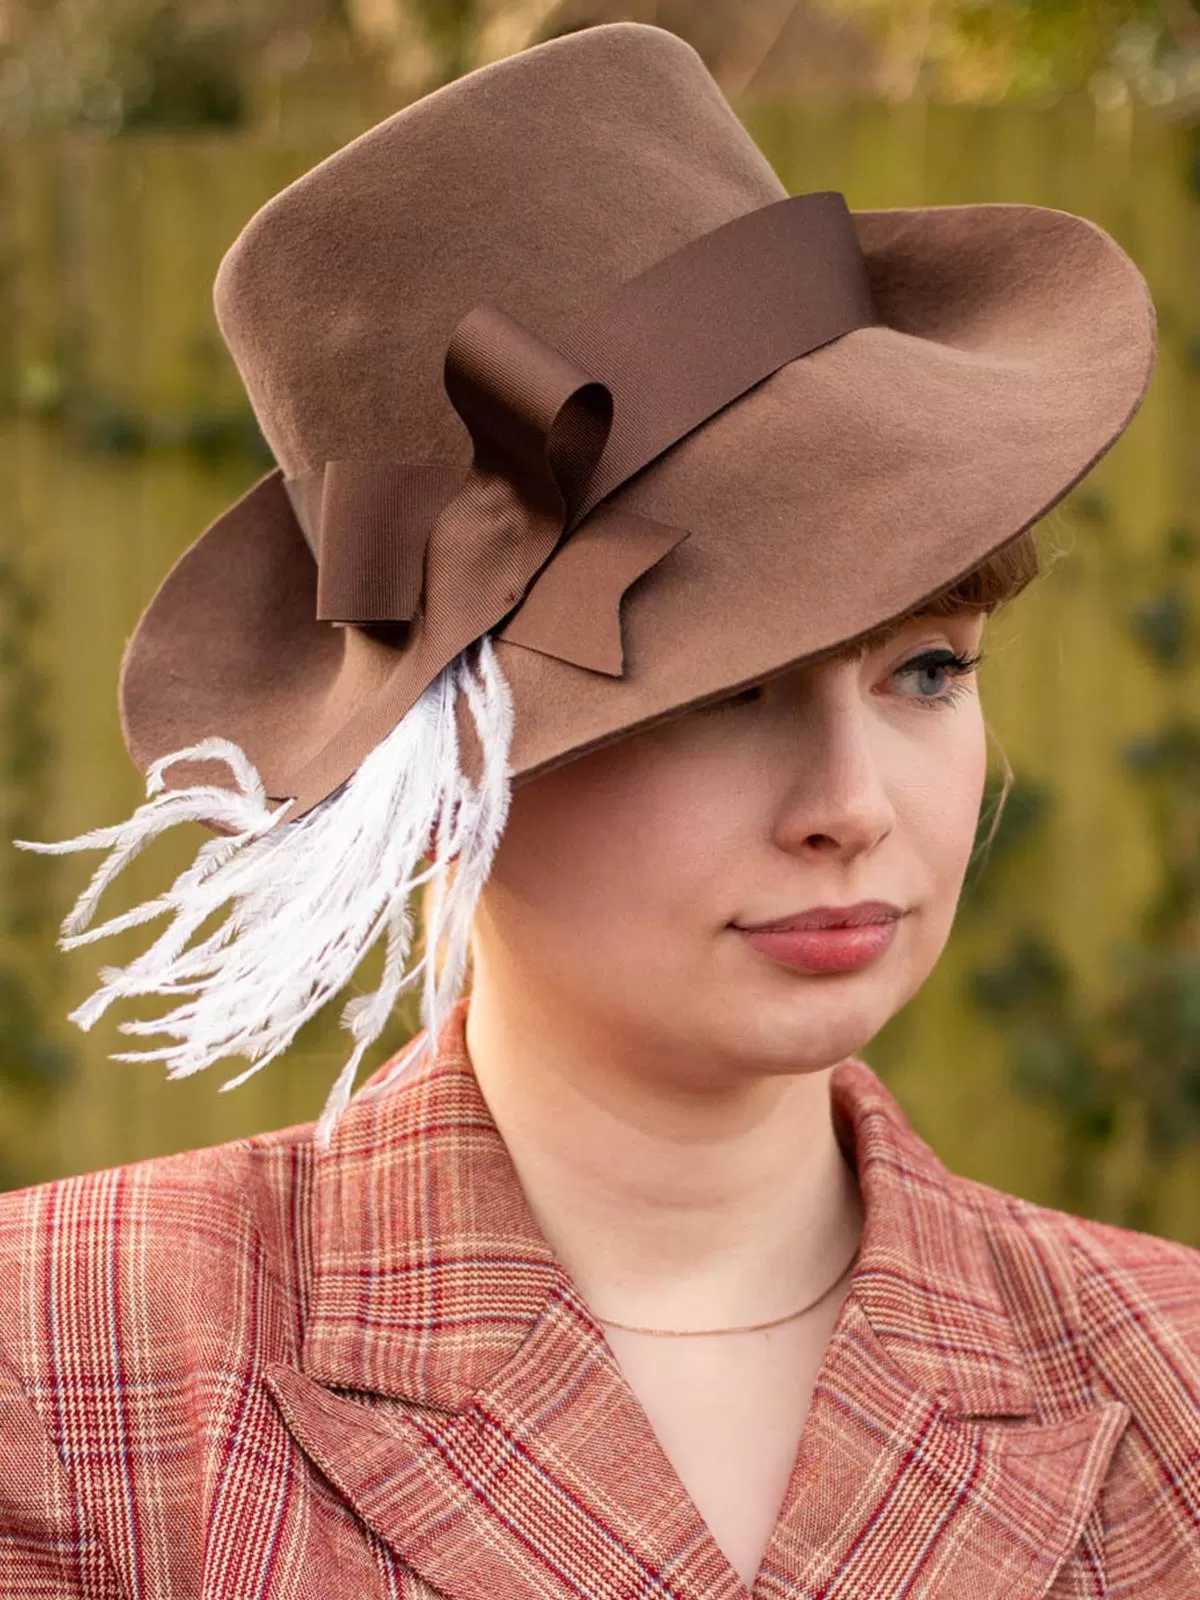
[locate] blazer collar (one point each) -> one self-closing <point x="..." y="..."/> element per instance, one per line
<point x="925" y="1279"/>
<point x="430" y="1269"/>
<point x="489" y="1439"/>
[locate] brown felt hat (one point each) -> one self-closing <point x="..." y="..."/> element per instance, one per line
<point x="551" y="356"/>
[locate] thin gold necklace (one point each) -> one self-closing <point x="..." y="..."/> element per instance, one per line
<point x="749" y="1327"/>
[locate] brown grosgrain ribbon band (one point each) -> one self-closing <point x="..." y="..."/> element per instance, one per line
<point x="556" y="429"/>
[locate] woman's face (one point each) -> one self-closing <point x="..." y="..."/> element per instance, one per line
<point x="623" y="878"/>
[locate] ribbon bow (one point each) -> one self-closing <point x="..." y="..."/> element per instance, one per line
<point x="523" y="545"/>
<point x="389" y="534"/>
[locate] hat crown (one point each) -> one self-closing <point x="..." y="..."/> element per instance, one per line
<point x="536" y="184"/>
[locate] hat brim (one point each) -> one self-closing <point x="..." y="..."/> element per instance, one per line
<point x="1017" y="343"/>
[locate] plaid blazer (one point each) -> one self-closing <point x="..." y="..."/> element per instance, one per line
<point x="261" y="1370"/>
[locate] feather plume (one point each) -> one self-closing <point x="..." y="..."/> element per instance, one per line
<point x="308" y="898"/>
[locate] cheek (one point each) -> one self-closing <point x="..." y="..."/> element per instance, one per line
<point x="617" y="843"/>
<point x="943" y="809"/>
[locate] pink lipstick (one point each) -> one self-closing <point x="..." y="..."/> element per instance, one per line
<point x="827" y="938"/>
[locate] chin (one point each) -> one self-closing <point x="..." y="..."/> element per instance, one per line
<point x="802" y="1032"/>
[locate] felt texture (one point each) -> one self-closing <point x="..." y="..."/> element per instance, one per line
<point x="1014" y="346"/>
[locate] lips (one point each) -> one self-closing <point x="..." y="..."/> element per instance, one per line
<point x="824" y="950"/>
<point x="855" y="916"/>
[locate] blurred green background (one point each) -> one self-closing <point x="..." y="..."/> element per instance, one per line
<point x="1056" y="1049"/>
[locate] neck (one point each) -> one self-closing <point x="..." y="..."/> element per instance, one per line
<point x="672" y="1198"/>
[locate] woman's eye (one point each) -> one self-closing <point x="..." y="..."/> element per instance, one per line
<point x="933" y="672"/>
<point x="931" y="669"/>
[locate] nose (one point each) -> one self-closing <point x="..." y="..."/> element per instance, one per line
<point x="836" y="799"/>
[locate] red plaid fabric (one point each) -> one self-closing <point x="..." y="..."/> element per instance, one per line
<point x="264" y="1371"/>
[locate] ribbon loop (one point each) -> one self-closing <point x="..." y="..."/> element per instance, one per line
<point x="534" y="416"/>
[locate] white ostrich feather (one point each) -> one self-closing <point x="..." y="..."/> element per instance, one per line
<point x="308" y="898"/>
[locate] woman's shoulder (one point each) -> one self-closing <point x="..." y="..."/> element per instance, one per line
<point x="1097" y="1247"/>
<point x="1127" y="1293"/>
<point x="190" y="1190"/>
<point x="1068" y="1283"/>
<point x="140" y="1302"/>
<point x="172" y="1242"/>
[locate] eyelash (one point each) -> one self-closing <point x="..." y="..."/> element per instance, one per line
<point x="958" y="666"/>
<point x="949" y="661"/>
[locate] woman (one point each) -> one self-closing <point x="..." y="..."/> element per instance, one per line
<point x="627" y="1277"/>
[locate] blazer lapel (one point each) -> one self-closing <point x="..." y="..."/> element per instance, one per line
<point x="935" y="1460"/>
<point x="456" y="1391"/>
<point x="549" y="1482"/>
<point x="894" y="1495"/>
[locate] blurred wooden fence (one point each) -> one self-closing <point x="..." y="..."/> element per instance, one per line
<point x="124" y="431"/>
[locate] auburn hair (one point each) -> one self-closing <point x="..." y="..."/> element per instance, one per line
<point x="995" y="581"/>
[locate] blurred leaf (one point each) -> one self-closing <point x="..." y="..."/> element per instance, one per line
<point x="1181" y="544"/>
<point x="1001" y="833"/>
<point x="1172" y="752"/>
<point x="1031" y="980"/>
<point x="1163" y="626"/>
<point x="1092" y="505"/>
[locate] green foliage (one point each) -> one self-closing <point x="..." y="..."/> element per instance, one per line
<point x="1122" y="1071"/>
<point x="450" y="28"/>
<point x="1006" y="821"/>
<point x="32" y="1065"/>
<point x="203" y="432"/>
<point x="178" y="76"/>
<point x="131" y="64"/>
<point x="991" y="50"/>
<point x="122" y="65"/>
